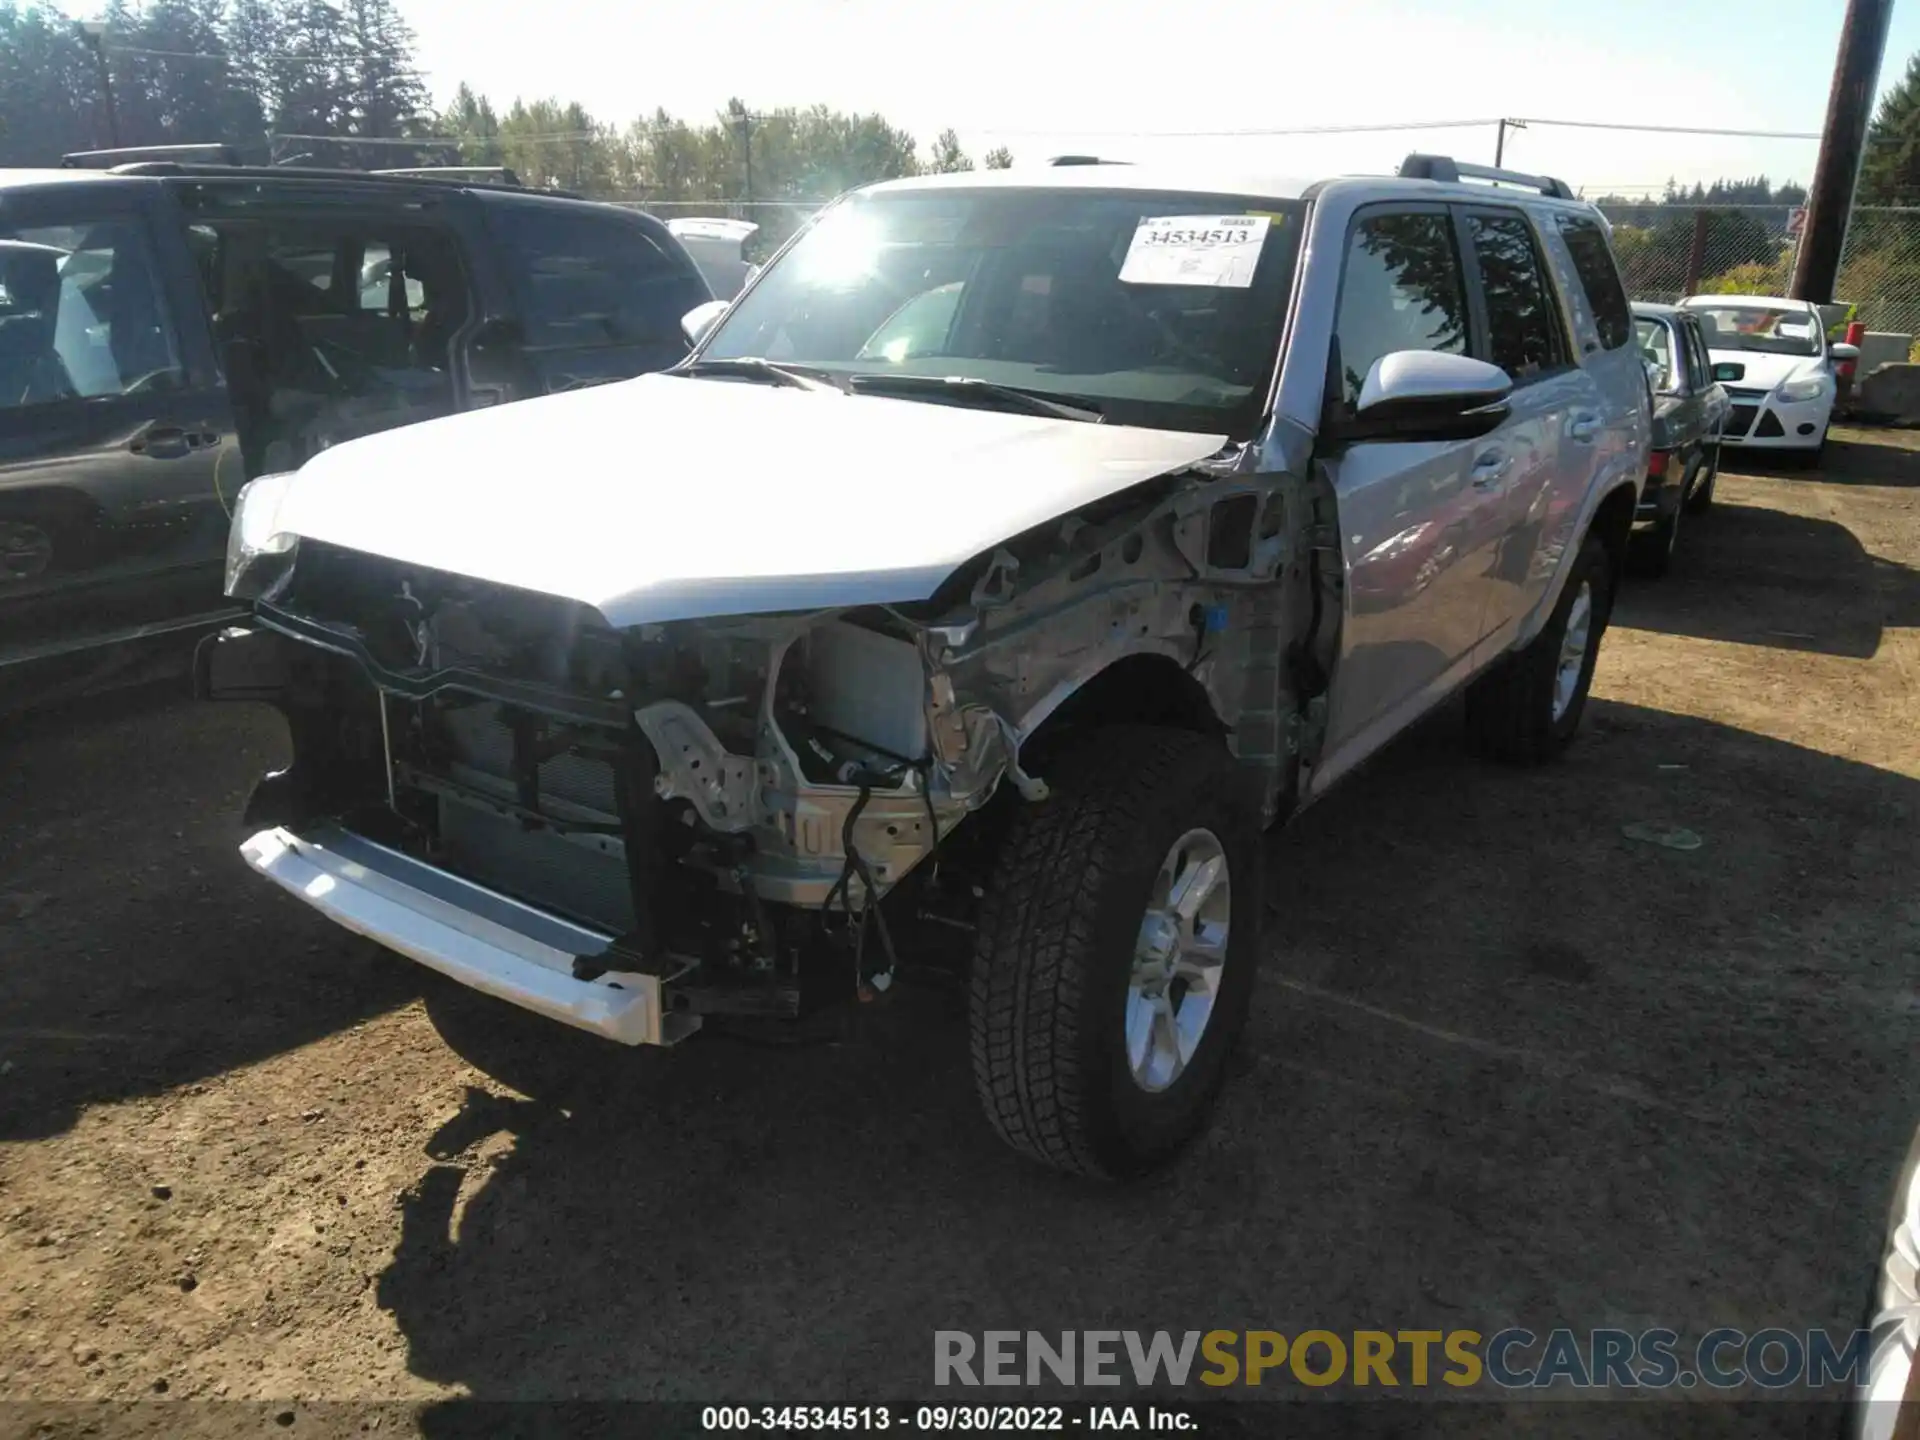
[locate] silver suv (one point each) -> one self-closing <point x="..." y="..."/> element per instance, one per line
<point x="1010" y="554"/>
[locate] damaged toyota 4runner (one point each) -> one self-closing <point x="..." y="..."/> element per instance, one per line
<point x="1001" y="563"/>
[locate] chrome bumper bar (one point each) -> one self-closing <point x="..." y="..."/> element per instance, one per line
<point x="477" y="936"/>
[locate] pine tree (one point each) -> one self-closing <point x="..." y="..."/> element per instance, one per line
<point x="49" y="98"/>
<point x="470" y="118"/>
<point x="998" y="158"/>
<point x="384" y="94"/>
<point x="948" y="157"/>
<point x="309" y="73"/>
<point x="256" y="33"/>
<point x="1890" y="169"/>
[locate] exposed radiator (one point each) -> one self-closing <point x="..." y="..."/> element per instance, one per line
<point x="536" y="866"/>
<point x="568" y="875"/>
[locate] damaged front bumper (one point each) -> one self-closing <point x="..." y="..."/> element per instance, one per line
<point x="482" y="939"/>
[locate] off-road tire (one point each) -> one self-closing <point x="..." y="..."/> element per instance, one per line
<point x="1701" y="500"/>
<point x="1055" y="948"/>
<point x="1510" y="708"/>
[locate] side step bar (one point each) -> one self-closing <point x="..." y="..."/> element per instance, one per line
<point x="481" y="938"/>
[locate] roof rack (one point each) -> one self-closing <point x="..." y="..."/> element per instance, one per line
<point x="1084" y="160"/>
<point x="224" y="155"/>
<point x="1448" y="171"/>
<point x="491" y="174"/>
<point x="302" y="172"/>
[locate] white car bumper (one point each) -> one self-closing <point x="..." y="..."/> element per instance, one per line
<point x="1762" y="421"/>
<point x="477" y="936"/>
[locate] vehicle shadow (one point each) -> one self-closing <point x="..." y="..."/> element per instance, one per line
<point x="1753" y="575"/>
<point x="127" y="978"/>
<point x="1508" y="1065"/>
<point x="1856" y="455"/>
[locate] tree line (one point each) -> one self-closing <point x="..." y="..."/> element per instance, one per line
<point x="336" y="82"/>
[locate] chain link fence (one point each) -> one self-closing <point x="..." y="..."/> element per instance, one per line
<point x="1667" y="251"/>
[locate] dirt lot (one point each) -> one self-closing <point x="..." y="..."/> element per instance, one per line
<point x="1508" y="1065"/>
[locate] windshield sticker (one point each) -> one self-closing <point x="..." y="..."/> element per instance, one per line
<point x="1216" y="250"/>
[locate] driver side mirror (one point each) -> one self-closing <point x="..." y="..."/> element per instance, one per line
<point x="1729" y="372"/>
<point x="1414" y="395"/>
<point x="698" y="322"/>
<point x="1841" y="353"/>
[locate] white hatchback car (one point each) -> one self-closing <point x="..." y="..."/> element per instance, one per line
<point x="1776" y="363"/>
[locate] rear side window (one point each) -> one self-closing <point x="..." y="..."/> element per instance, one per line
<point x="1402" y="290"/>
<point x="1699" y="367"/>
<point x="1522" y="325"/>
<point x="1600" y="278"/>
<point x="1656" y="349"/>
<point x="588" y="280"/>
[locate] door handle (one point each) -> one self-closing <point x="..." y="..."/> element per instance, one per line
<point x="1490" y="469"/>
<point x="1583" y="428"/>
<point x="170" y="442"/>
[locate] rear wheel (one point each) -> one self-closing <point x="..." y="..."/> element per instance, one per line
<point x="1528" y="708"/>
<point x="1114" y="963"/>
<point x="39" y="538"/>
<point x="1652" y="550"/>
<point x="1701" y="500"/>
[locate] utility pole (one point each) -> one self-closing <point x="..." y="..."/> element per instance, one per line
<point x="1843" y="142"/>
<point x="1696" y="254"/>
<point x="745" y="121"/>
<point x="1500" y="144"/>
<point x="95" y="34"/>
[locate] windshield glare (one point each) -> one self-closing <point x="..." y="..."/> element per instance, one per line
<point x="1055" y="291"/>
<point x="1765" y="329"/>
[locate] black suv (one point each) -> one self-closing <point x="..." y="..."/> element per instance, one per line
<point x="169" y="330"/>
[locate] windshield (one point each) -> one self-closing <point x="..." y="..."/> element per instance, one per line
<point x="1157" y="309"/>
<point x="1767" y="329"/>
<point x="1656" y="349"/>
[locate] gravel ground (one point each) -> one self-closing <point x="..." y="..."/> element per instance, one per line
<point x="1507" y="1065"/>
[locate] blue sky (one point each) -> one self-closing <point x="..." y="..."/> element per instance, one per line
<point x="1043" y="76"/>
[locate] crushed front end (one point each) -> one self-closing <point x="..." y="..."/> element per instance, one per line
<point x="625" y="830"/>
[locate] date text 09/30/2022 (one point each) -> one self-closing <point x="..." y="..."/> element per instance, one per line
<point x="940" y="1419"/>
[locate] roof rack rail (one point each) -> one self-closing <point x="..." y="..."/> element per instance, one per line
<point x="496" y="174"/>
<point x="1448" y="171"/>
<point x="1084" y="160"/>
<point x="316" y="174"/>
<point x="143" y="154"/>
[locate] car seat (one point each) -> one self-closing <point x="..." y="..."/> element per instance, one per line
<point x="31" y="371"/>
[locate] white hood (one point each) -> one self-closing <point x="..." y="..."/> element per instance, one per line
<point x="669" y="498"/>
<point x="1765" y="372"/>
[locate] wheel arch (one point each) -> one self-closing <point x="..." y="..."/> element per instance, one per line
<point x="1141" y="688"/>
<point x="1612" y="524"/>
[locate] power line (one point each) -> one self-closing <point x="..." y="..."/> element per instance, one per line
<point x="1679" y="129"/>
<point x="1253" y="133"/>
<point x="228" y="56"/>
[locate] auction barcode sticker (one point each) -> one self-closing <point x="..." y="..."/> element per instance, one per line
<point x="1218" y="250"/>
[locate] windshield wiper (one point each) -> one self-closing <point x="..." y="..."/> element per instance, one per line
<point x="752" y="367"/>
<point x="965" y="386"/>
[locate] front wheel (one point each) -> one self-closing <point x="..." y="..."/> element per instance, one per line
<point x="1114" y="962"/>
<point x="1528" y="707"/>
